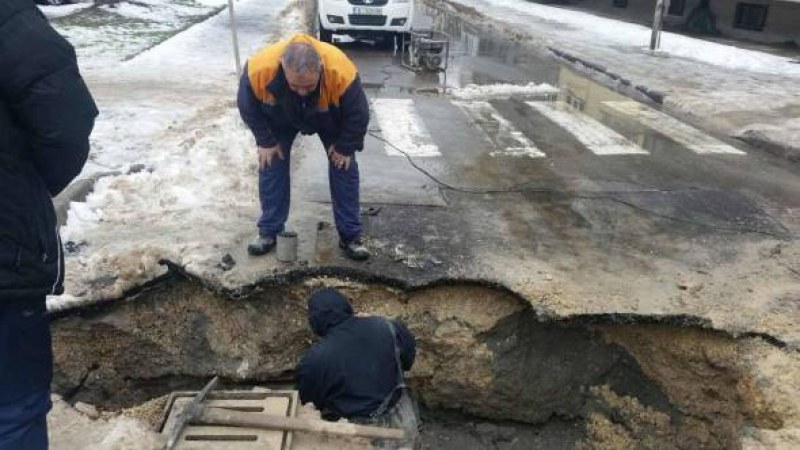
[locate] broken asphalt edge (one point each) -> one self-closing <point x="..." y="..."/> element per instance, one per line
<point x="177" y="272"/>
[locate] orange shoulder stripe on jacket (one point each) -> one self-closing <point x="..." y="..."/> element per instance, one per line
<point x="340" y="72"/>
<point x="262" y="67"/>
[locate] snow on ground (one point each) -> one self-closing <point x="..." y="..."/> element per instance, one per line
<point x="633" y="37"/>
<point x="150" y="95"/>
<point x="489" y="91"/>
<point x="105" y="34"/>
<point x="54" y="12"/>
<point x="172" y="109"/>
<point x="200" y="196"/>
<point x="720" y="87"/>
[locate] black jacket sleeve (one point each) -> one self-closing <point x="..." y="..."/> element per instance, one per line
<point x="309" y="382"/>
<point x="39" y="79"/>
<point x="355" y="119"/>
<point x="250" y="109"/>
<point x="408" y="348"/>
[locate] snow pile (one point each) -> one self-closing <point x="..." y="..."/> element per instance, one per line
<point x="54" y="12"/>
<point x="571" y="27"/>
<point x="198" y="201"/>
<point x="490" y="91"/>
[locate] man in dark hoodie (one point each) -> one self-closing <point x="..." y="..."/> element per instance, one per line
<point x="355" y="369"/>
<point x="46" y="116"/>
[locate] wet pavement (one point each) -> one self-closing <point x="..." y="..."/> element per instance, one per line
<point x="588" y="202"/>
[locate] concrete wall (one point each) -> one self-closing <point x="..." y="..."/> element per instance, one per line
<point x="783" y="17"/>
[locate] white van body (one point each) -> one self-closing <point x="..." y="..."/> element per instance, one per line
<point x="364" y="18"/>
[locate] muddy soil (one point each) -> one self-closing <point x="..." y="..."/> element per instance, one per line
<point x="482" y="352"/>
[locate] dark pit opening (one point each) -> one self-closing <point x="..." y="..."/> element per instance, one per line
<point x="489" y="370"/>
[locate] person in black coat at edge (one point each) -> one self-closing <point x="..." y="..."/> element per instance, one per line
<point x="355" y="369"/>
<point x="46" y="116"/>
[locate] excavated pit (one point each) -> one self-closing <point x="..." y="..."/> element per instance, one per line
<point x="482" y="353"/>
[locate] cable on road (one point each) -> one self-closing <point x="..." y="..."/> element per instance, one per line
<point x="583" y="195"/>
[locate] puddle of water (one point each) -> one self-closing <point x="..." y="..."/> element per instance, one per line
<point x="483" y="58"/>
<point x="479" y="57"/>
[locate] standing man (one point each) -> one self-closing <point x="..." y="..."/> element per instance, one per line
<point x="46" y="116"/>
<point x="356" y="368"/>
<point x="307" y="86"/>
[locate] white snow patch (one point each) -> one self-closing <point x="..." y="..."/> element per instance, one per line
<point x="110" y="33"/>
<point x="490" y="91"/>
<point x="199" y="198"/>
<point x="54" y="12"/>
<point x="206" y="49"/>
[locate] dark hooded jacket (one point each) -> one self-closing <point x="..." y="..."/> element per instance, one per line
<point x="46" y="116"/>
<point x="352" y="368"/>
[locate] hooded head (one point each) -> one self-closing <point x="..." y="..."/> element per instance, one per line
<point x="326" y="309"/>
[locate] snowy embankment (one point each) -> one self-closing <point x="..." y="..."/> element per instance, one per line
<point x="172" y="110"/>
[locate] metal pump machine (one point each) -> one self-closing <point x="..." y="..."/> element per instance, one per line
<point x="426" y="51"/>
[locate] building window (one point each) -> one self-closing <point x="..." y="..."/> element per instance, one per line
<point x="575" y="102"/>
<point x="676" y="7"/>
<point x="620" y="3"/>
<point x="750" y="16"/>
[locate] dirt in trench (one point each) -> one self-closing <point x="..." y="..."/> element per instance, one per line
<point x="482" y="352"/>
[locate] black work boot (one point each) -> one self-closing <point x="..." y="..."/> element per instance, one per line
<point x="261" y="246"/>
<point x="355" y="249"/>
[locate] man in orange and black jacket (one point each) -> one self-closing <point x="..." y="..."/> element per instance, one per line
<point x="306" y="86"/>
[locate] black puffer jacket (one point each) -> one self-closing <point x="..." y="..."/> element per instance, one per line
<point x="352" y="368"/>
<point x="46" y="116"/>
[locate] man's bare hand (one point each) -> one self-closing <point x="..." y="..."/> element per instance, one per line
<point x="267" y="154"/>
<point x="339" y="160"/>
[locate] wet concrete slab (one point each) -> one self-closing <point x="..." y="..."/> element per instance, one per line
<point x="668" y="229"/>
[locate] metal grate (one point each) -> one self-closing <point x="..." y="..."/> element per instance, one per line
<point x="361" y="19"/>
<point x="202" y="437"/>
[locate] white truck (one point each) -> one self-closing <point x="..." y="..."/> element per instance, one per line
<point x="364" y="19"/>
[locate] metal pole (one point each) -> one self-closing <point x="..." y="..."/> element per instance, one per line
<point x="655" y="37"/>
<point x="235" y="40"/>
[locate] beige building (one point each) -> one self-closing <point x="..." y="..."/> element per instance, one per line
<point x="768" y="21"/>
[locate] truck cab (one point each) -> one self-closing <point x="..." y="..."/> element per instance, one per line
<point x="367" y="19"/>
